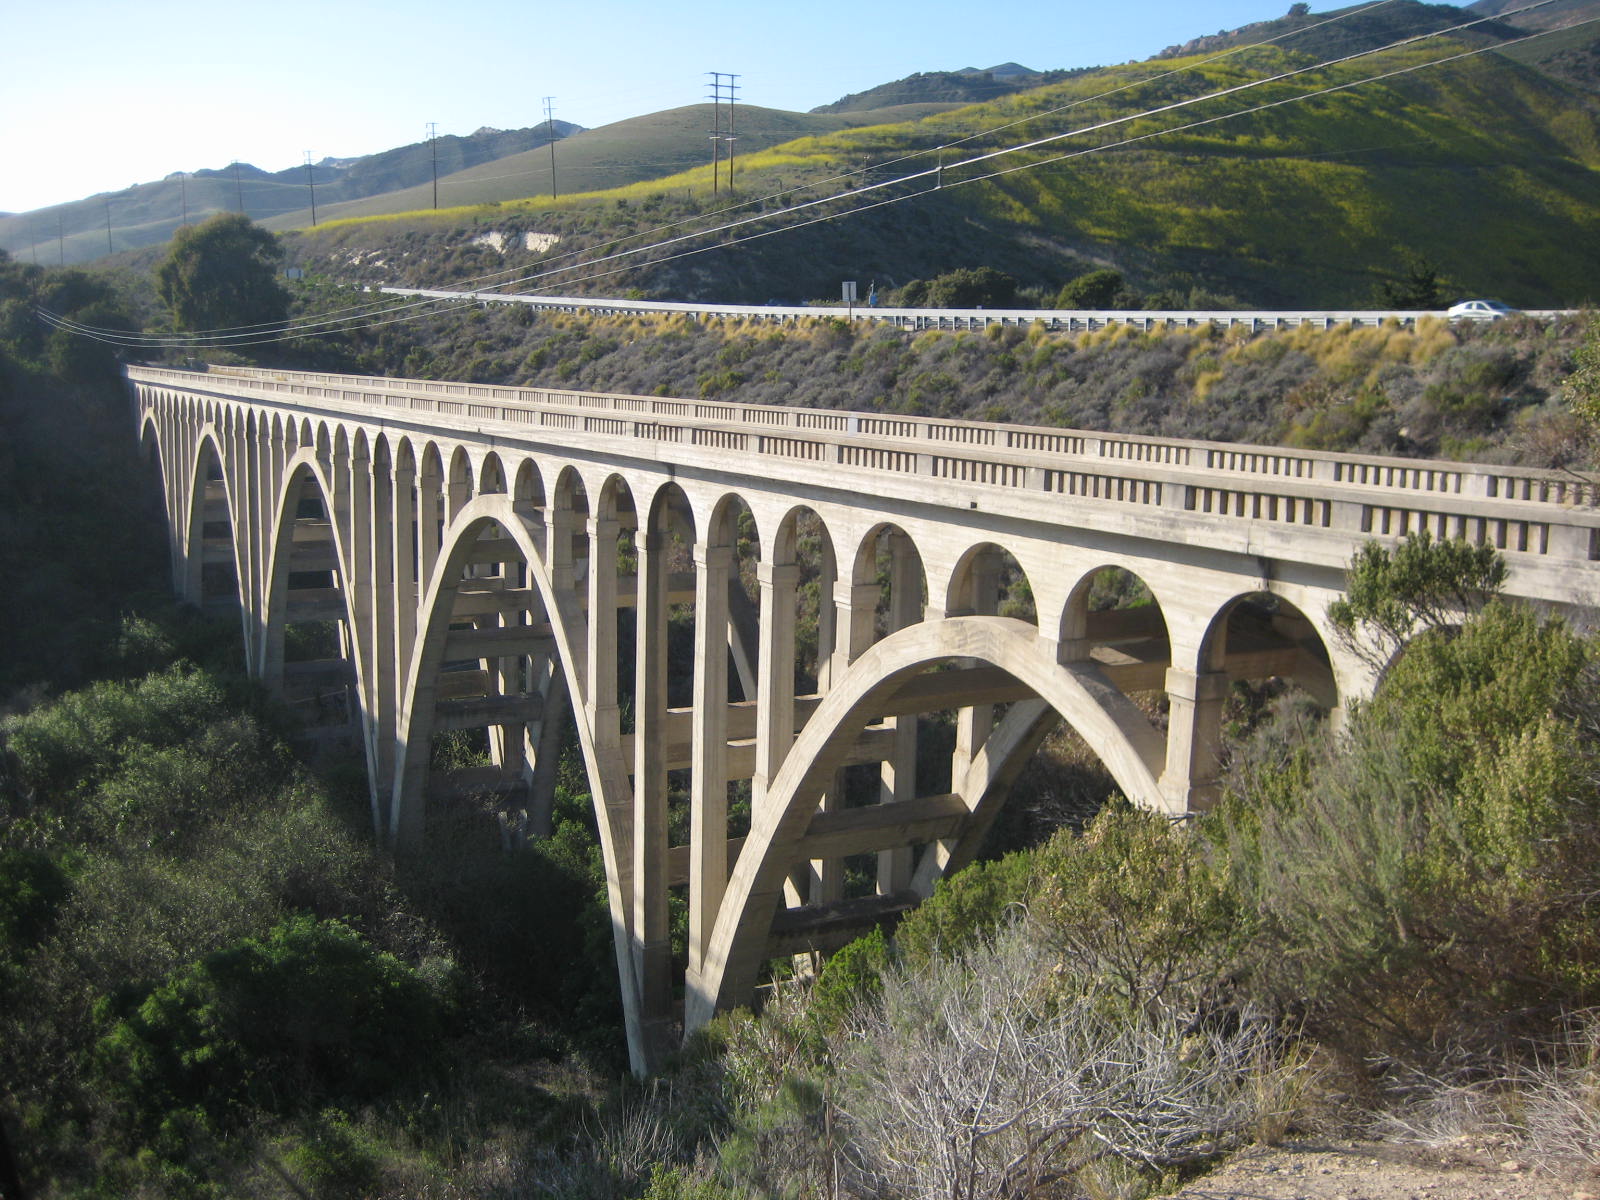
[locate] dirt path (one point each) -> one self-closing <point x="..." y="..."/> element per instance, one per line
<point x="1330" y="1170"/>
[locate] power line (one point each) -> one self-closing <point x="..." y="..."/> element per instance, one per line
<point x="302" y="329"/>
<point x="485" y="279"/>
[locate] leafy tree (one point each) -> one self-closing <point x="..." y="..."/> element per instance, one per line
<point x="1097" y="289"/>
<point x="1422" y="585"/>
<point x="969" y="287"/>
<point x="1419" y="288"/>
<point x="222" y="274"/>
<point x="311" y="1010"/>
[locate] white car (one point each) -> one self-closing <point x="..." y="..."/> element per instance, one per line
<point x="1478" y="310"/>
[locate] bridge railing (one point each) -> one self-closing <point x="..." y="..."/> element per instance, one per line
<point x="1518" y="510"/>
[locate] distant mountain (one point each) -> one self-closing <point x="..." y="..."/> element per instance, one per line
<point x="149" y="213"/>
<point x="611" y="156"/>
<point x="967" y="86"/>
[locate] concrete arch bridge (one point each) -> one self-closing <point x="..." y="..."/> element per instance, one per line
<point x="744" y="614"/>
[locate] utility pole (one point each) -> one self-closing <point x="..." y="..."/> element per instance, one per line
<point x="550" y="121"/>
<point x="183" y="189"/>
<point x="108" y="222"/>
<point x="433" y="150"/>
<point x="61" y="236"/>
<point x="238" y="188"/>
<point x="723" y="87"/>
<point x="312" y="184"/>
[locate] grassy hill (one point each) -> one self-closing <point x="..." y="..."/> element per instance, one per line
<point x="1484" y="167"/>
<point x="663" y="144"/>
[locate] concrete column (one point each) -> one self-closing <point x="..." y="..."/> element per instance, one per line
<point x="708" y="748"/>
<point x="652" y="947"/>
<point x="406" y="595"/>
<point x="1194" y="737"/>
<point x="358" y="597"/>
<point x="427" y="528"/>
<point x="853" y="617"/>
<point x="775" y="675"/>
<point x="898" y="777"/>
<point x="601" y="643"/>
<point x="973" y="725"/>
<point x="380" y="599"/>
<point x="546" y="749"/>
<point x="460" y="491"/>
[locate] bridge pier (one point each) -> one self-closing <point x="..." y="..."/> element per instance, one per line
<point x="652" y="940"/>
<point x="1194" y="738"/>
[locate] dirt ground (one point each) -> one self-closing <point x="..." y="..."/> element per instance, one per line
<point x="1339" y="1170"/>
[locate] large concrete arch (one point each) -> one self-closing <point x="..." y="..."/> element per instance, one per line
<point x="307" y="468"/>
<point x="608" y="776"/>
<point x="199" y="505"/>
<point x="1131" y="749"/>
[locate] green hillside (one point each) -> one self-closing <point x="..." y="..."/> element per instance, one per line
<point x="1482" y="167"/>
<point x="641" y="148"/>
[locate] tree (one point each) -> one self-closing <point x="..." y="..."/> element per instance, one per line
<point x="972" y="287"/>
<point x="1420" y="287"/>
<point x="1422" y="585"/>
<point x="1097" y="289"/>
<point x="222" y="274"/>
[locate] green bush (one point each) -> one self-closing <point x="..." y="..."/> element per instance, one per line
<point x="33" y="888"/>
<point x="964" y="907"/>
<point x="851" y="977"/>
<point x="311" y="1011"/>
<point x="1430" y="882"/>
<point x="1137" y="910"/>
<point x="70" y="745"/>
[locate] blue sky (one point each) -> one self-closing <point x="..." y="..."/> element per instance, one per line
<point x="100" y="94"/>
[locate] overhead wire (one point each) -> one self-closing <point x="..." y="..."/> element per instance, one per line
<point x="214" y="336"/>
<point x="432" y="305"/>
<point x="484" y="280"/>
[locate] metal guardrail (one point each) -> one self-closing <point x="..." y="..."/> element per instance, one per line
<point x="917" y="319"/>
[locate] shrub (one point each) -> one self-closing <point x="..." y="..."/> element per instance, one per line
<point x="1422" y="584"/>
<point x="310" y="1011"/>
<point x="33" y="887"/>
<point x="71" y="744"/>
<point x="977" y="1077"/>
<point x="1137" y="912"/>
<point x="1429" y="884"/>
